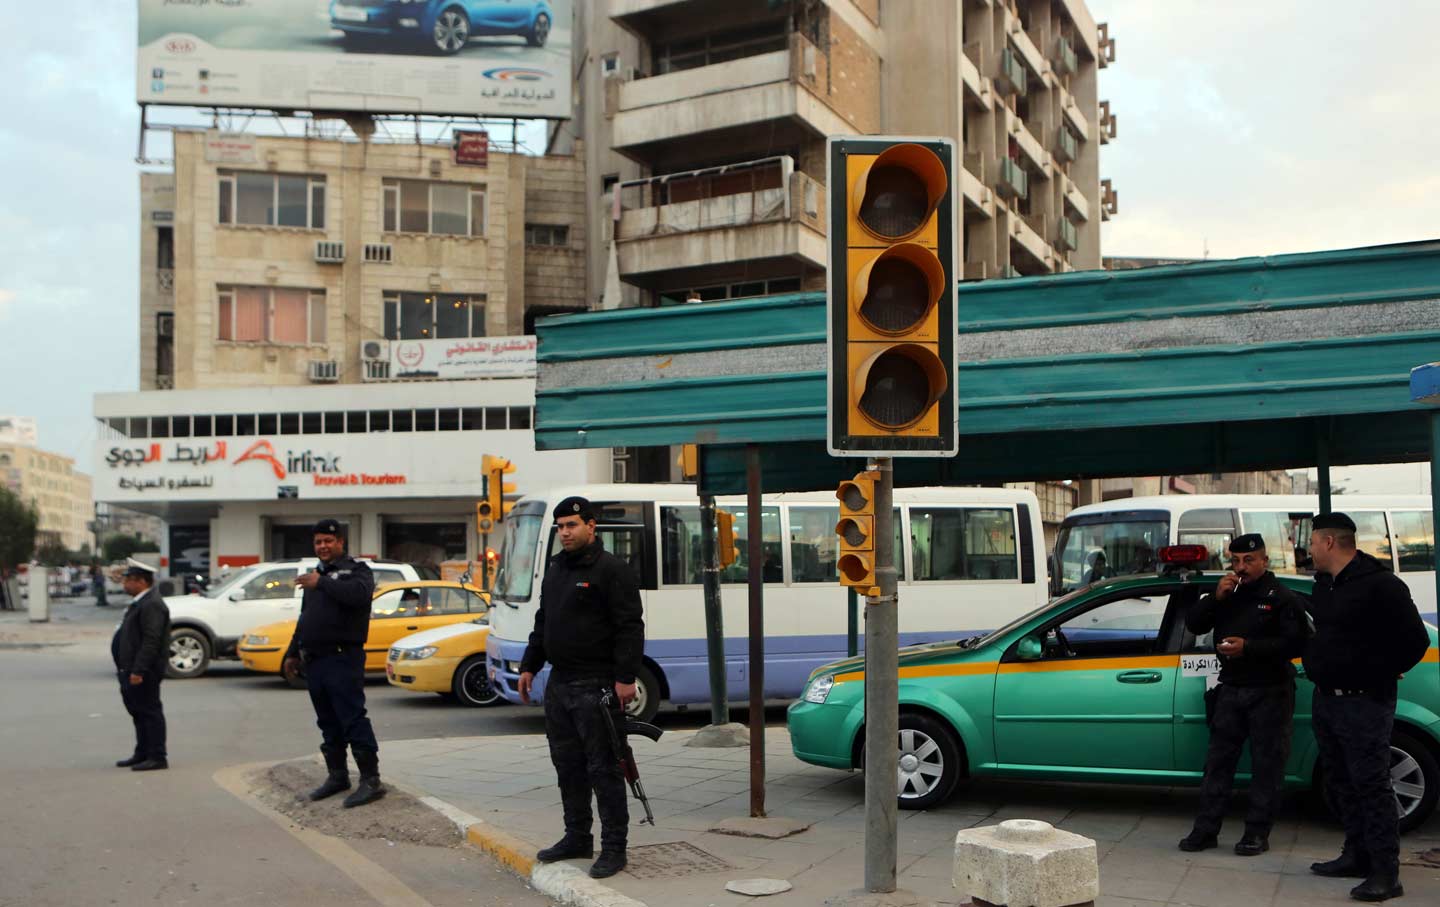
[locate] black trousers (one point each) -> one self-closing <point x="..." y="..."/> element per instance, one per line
<point x="1264" y="716"/>
<point x="585" y="760"/>
<point x="336" y="680"/>
<point x="1354" y="737"/>
<point x="142" y="701"/>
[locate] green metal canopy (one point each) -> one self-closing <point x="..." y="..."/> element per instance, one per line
<point x="1252" y="363"/>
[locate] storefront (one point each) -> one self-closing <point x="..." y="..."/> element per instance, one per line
<point x="240" y="475"/>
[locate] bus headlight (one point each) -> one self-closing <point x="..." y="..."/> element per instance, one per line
<point x="819" y="689"/>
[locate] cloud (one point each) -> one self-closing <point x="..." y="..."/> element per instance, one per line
<point x="7" y="298"/>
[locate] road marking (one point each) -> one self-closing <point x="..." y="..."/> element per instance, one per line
<point x="373" y="878"/>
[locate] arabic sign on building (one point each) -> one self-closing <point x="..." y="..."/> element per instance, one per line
<point x="476" y="357"/>
<point x="469" y="57"/>
<point x="230" y="148"/>
<point x="472" y="148"/>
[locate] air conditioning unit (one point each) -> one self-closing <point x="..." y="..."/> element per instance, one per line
<point x="375" y="349"/>
<point x="329" y="252"/>
<point x="324" y="371"/>
<point x="165" y="324"/>
<point x="379" y="253"/>
<point x="375" y="360"/>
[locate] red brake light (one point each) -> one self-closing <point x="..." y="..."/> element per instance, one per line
<point x="1184" y="555"/>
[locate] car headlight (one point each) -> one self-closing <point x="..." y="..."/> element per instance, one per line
<point x="417" y="654"/>
<point x="256" y="640"/>
<point x="819" y="689"/>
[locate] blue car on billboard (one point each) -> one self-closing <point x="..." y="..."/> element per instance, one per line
<point x="442" y="26"/>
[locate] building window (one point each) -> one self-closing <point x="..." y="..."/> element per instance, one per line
<point x="610" y="63"/>
<point x="447" y="209"/>
<point x="272" y="199"/>
<point x="547" y="235"/>
<point x="720" y="47"/>
<point x="731" y="291"/>
<point x="428" y="316"/>
<point x="271" y="315"/>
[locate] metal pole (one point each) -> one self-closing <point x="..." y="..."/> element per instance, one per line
<point x="1435" y="487"/>
<point x="852" y="621"/>
<point x="882" y="695"/>
<point x="1322" y="469"/>
<point x="714" y="618"/>
<point x="485" y="561"/>
<point x="755" y="555"/>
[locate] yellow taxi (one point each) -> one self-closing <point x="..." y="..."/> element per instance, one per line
<point x="397" y="610"/>
<point x="445" y="660"/>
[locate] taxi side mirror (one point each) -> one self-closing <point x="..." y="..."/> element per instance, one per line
<point x="237" y="595"/>
<point x="1029" y="648"/>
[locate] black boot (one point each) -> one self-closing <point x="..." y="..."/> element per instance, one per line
<point x="150" y="765"/>
<point x="609" y="863"/>
<point x="568" y="848"/>
<point x="338" y="778"/>
<point x="1252" y="844"/>
<point x="1349" y="865"/>
<point x="369" y="789"/>
<point x="1379" y="886"/>
<point x="133" y="760"/>
<point x="1198" y="840"/>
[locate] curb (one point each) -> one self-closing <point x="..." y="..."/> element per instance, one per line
<point x="565" y="882"/>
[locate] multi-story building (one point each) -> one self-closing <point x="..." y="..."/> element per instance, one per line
<point x="59" y="493"/>
<point x="339" y="328"/>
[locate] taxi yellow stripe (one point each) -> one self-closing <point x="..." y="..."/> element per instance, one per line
<point x="1092" y="664"/>
<point x="1432" y="656"/>
<point x="935" y="670"/>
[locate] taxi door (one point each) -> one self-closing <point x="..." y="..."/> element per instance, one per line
<point x="1099" y="697"/>
<point x="410" y="609"/>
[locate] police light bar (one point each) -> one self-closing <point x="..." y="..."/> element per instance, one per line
<point x="1183" y="555"/>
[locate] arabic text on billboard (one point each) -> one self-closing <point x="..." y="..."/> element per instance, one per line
<point x="477" y="357"/>
<point x="456" y="57"/>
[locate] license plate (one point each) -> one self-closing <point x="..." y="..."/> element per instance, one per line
<point x="351" y="15"/>
<point x="390" y="671"/>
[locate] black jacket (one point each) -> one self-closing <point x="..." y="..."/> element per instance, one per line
<point x="1271" y="620"/>
<point x="589" y="621"/>
<point x="141" y="644"/>
<point x="337" y="611"/>
<point x="1367" y="629"/>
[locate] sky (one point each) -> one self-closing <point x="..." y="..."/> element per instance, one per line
<point x="1246" y="127"/>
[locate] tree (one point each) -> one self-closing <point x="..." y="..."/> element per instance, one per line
<point x="18" y="524"/>
<point x="120" y="546"/>
<point x="53" y="554"/>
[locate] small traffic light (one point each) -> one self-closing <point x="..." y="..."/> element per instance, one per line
<point x="856" y="529"/>
<point x="725" y="537"/>
<point x="484" y="517"/>
<point x="496" y="488"/>
<point x="891" y="297"/>
<point x="689" y="462"/>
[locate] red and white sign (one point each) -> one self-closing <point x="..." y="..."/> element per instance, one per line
<point x="229" y="148"/>
<point x="472" y="148"/>
<point x="475" y="357"/>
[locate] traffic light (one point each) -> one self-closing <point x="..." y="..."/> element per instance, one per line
<point x="689" y="462"/>
<point x="725" y="537"/>
<point x="891" y="297"/>
<point x="491" y="511"/>
<point x="857" y="532"/>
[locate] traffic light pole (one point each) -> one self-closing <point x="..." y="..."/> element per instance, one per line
<point x="882" y="694"/>
<point x="714" y="618"/>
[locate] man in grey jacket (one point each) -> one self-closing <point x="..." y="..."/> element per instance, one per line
<point x="140" y="649"/>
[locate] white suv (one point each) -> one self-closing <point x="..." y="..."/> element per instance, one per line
<point x="208" y="625"/>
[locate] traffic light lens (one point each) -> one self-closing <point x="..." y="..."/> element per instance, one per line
<point x="897" y="391"/>
<point x="853" y="568"/>
<point x="852" y="497"/>
<point x="896" y="202"/>
<point x="898" y="296"/>
<point x="852" y="532"/>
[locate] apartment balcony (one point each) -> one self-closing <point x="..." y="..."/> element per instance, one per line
<point x="1067" y="237"/>
<point x="974" y="185"/>
<point x="1028" y="233"/>
<point x="1067" y="147"/>
<point x="977" y="87"/>
<point x="165" y="281"/>
<point x="1073" y="115"/>
<point x="1030" y="147"/>
<point x="1075" y="200"/>
<point x="1014" y="182"/>
<point x="1067" y="62"/>
<point x="719" y="217"/>
<point x="734" y="105"/>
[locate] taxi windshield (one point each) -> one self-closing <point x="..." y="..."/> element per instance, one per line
<point x="1097" y="546"/>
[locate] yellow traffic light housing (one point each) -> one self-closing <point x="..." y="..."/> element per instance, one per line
<point x="484" y="518"/>
<point x="725" y="537"/>
<point x="689" y="462"/>
<point x="856" y="530"/>
<point x="491" y="511"/>
<point x="891" y="296"/>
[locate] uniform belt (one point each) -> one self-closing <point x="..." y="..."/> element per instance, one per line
<point x="1331" y="691"/>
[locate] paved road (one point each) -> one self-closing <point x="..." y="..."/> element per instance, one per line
<point x="79" y="831"/>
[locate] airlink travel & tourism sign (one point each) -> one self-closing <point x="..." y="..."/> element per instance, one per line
<point x="448" y="57"/>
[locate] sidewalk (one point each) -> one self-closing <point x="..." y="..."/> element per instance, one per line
<point x="509" y="783"/>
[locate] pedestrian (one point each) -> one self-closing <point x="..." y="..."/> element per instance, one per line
<point x="589" y="629"/>
<point x="140" y="649"/>
<point x="329" y="641"/>
<point x="1259" y="627"/>
<point x="1367" y="633"/>
<point x="97" y="586"/>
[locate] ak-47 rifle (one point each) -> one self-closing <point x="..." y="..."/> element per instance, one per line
<point x="619" y="740"/>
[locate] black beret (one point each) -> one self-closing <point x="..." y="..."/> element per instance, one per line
<point x="1250" y="541"/>
<point x="328" y="527"/>
<point x="575" y="506"/>
<point x="1333" y="521"/>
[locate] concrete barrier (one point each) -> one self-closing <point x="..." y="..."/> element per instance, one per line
<point x="1026" y="863"/>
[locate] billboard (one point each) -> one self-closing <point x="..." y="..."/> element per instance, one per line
<point x="506" y="58"/>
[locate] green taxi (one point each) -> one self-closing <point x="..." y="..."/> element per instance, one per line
<point x="1102" y="685"/>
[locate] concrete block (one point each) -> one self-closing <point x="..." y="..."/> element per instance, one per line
<point x="1026" y="863"/>
<point x="721" y="736"/>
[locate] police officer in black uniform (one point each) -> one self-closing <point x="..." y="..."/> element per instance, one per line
<point x="140" y="650"/>
<point x="1367" y="633"/>
<point x="589" y="629"/>
<point x="330" y="642"/>
<point x="1259" y="626"/>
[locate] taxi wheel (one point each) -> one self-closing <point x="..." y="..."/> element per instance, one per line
<point x="295" y="679"/>
<point x="472" y="684"/>
<point x="1414" y="774"/>
<point x="189" y="654"/>
<point x="929" y="764"/>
